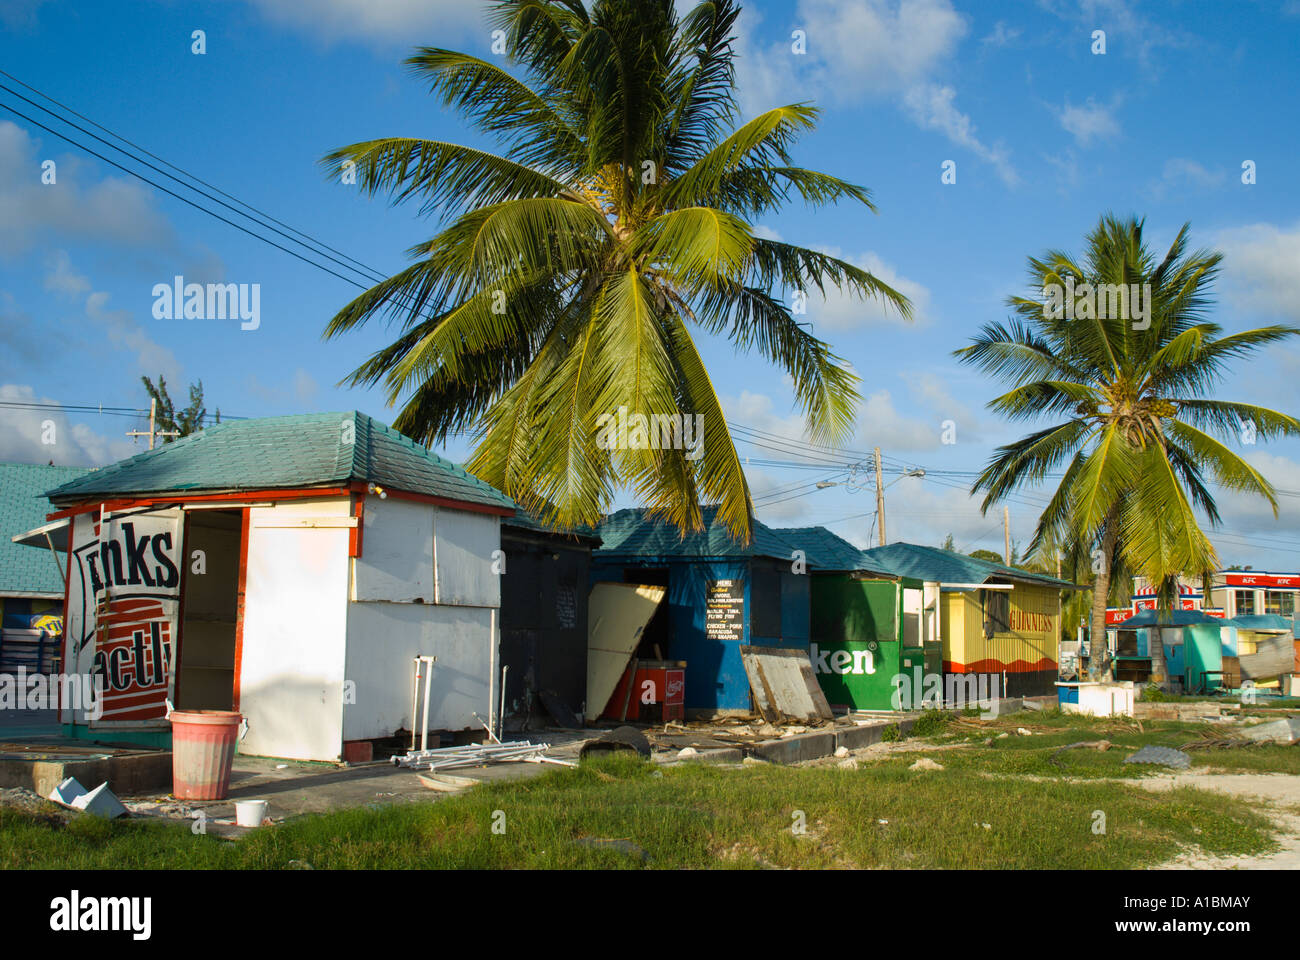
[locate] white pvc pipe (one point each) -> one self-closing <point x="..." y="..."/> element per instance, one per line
<point x="428" y="684"/>
<point x="501" y="717"/>
<point x="492" y="667"/>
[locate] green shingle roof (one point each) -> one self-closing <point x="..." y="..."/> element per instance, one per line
<point x="306" y="450"/>
<point x="827" y="551"/>
<point x="636" y="533"/>
<point x="945" y="566"/>
<point x="25" y="569"/>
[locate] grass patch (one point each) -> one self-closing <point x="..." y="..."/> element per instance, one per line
<point x="1036" y="755"/>
<point x="697" y="816"/>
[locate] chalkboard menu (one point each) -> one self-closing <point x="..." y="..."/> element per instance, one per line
<point x="724" y="611"/>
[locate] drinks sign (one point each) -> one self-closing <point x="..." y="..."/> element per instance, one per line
<point x="123" y="596"/>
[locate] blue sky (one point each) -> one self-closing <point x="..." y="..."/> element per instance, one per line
<point x="1046" y="136"/>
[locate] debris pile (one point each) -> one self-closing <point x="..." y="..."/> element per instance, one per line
<point x="474" y="755"/>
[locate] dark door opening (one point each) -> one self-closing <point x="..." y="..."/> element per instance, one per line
<point x="205" y="678"/>
<point x="655" y="639"/>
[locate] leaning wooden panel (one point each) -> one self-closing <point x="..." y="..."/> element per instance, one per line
<point x="784" y="685"/>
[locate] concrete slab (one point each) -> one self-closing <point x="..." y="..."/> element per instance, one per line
<point x="857" y="737"/>
<point x="796" y="748"/>
<point x="41" y="766"/>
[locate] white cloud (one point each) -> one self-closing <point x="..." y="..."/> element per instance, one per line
<point x="1180" y="171"/>
<point x="406" y="23"/>
<point x="1260" y="268"/>
<point x="299" y="388"/>
<point x="1090" y="122"/>
<point x="874" y="47"/>
<point x="118" y="327"/>
<point x="1002" y="35"/>
<point x="932" y="106"/>
<point x="23" y="435"/>
<point x="840" y="310"/>
<point x="18" y="14"/>
<point x="1137" y="35"/>
<point x="864" y="50"/>
<point x="114" y="210"/>
<point x="62" y="279"/>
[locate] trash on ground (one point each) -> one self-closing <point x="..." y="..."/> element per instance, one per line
<point x="470" y="755"/>
<point x="1161" y="756"/>
<point x="446" y="782"/>
<point x="925" y="763"/>
<point x="1275" y="731"/>
<point x="67" y="791"/>
<point x="618" y="740"/>
<point x="101" y="802"/>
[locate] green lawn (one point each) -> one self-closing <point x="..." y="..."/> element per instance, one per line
<point x="695" y="816"/>
<point x="1037" y="754"/>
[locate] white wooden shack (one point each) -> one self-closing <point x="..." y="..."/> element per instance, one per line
<point x="289" y="568"/>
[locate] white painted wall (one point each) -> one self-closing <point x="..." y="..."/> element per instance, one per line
<point x="463" y="545"/>
<point x="396" y="561"/>
<point x="411" y="554"/>
<point x="382" y="640"/>
<point x="295" y="629"/>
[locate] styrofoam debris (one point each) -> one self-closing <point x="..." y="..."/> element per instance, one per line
<point x="687" y="752"/>
<point x="102" y="802"/>
<point x="67" y="792"/>
<point x="841" y="752"/>
<point x="925" y="763"/>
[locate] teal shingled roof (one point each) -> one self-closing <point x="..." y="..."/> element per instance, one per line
<point x="636" y="533"/>
<point x="828" y="551"/>
<point x="306" y="450"/>
<point x="25" y="569"/>
<point x="1261" y="621"/>
<point x="945" y="566"/>
<point x="1168" y="618"/>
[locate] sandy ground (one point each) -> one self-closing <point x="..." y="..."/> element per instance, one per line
<point x="1281" y="790"/>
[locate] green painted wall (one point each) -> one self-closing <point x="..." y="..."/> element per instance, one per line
<point x="855" y="644"/>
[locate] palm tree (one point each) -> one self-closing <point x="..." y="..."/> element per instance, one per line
<point x="575" y="268"/>
<point x="1134" y="385"/>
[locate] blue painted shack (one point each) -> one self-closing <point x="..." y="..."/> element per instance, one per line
<point x="721" y="595"/>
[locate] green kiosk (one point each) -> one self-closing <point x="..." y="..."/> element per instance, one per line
<point x="868" y="627"/>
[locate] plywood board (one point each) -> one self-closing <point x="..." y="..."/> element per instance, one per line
<point x="617" y="615"/>
<point x="784" y="685"/>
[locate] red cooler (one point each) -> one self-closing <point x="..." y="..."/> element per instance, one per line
<point x="660" y="682"/>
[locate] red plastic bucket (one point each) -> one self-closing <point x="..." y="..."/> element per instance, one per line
<point x="203" y="750"/>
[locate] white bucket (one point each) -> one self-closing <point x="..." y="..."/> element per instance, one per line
<point x="250" y="813"/>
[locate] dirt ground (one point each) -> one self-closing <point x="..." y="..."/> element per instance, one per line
<point x="1281" y="790"/>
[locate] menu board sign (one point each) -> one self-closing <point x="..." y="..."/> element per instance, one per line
<point x="724" y="611"/>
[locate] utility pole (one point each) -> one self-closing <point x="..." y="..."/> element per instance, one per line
<point x="153" y="431"/>
<point x="1006" y="536"/>
<point x="880" y="498"/>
